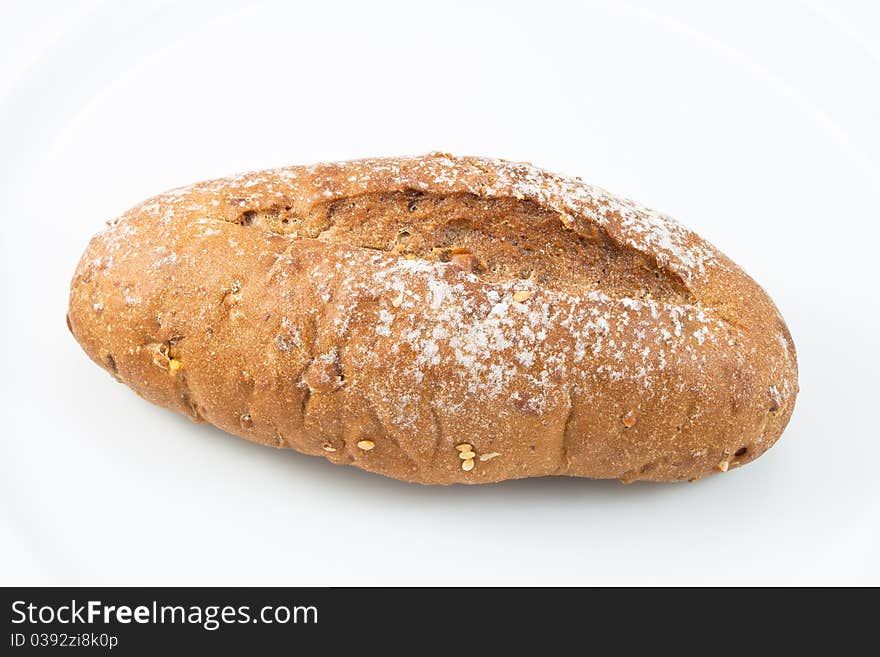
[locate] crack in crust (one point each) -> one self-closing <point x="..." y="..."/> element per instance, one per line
<point x="508" y="239"/>
<point x="567" y="435"/>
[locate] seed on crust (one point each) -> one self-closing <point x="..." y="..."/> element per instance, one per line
<point x="466" y="455"/>
<point x="324" y="374"/>
<point x="366" y="445"/>
<point x="723" y="466"/>
<point x="489" y="456"/>
<point x="174" y="365"/>
<point x="468" y="465"/>
<point x="397" y="301"/>
<point x="465" y="260"/>
<point x="327" y="447"/>
<point x="464" y="447"/>
<point x="521" y="295"/>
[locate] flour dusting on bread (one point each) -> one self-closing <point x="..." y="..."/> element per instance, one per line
<point x="416" y="304"/>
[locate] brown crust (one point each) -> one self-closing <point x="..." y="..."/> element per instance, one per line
<point x="440" y="320"/>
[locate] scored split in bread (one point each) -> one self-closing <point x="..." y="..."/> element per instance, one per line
<point x="440" y="319"/>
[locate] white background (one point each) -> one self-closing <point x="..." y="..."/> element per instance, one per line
<point x="754" y="123"/>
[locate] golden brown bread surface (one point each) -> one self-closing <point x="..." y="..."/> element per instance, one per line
<point x="440" y="319"/>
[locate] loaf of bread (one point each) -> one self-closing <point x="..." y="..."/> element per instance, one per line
<point x="440" y="320"/>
